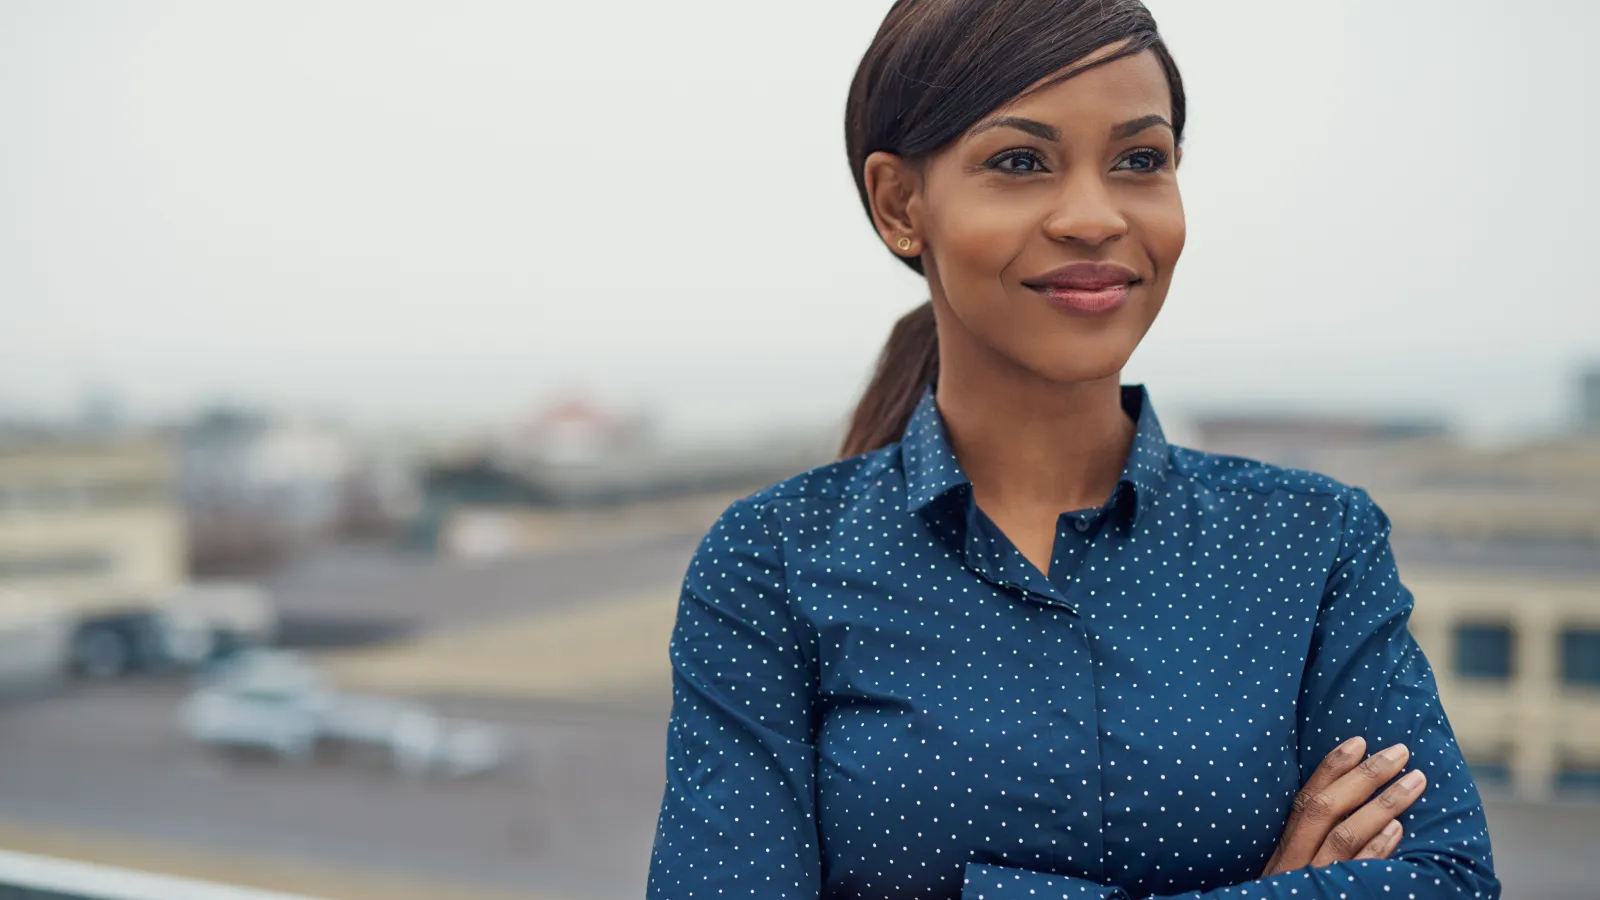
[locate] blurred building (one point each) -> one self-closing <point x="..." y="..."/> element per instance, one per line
<point x="1517" y="659"/>
<point x="259" y="489"/>
<point x="1501" y="548"/>
<point x="90" y="536"/>
<point x="1589" y="401"/>
<point x="576" y="455"/>
<point x="574" y="431"/>
<point x="94" y="560"/>
<point x="89" y="520"/>
<point x="1315" y="442"/>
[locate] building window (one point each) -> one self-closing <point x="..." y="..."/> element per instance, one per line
<point x="125" y="494"/>
<point x="1578" y="778"/>
<point x="1490" y="775"/>
<point x="118" y="494"/>
<point x="1580" y="656"/>
<point x="1483" y="650"/>
<point x="64" y="564"/>
<point x="39" y="497"/>
<point x="35" y="496"/>
<point x="1490" y="767"/>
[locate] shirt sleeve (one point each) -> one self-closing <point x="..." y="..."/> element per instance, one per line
<point x="1365" y="675"/>
<point x="737" y="816"/>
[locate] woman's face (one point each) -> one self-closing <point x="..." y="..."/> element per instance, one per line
<point x="1049" y="230"/>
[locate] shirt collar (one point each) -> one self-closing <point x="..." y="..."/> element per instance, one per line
<point x="932" y="470"/>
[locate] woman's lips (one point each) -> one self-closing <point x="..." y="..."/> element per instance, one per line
<point x="1090" y="289"/>
<point x="1097" y="302"/>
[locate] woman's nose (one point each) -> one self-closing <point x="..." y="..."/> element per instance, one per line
<point x="1086" y="212"/>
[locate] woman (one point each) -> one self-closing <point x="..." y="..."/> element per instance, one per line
<point x="1016" y="645"/>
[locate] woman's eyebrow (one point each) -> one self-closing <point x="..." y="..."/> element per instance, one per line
<point x="1031" y="126"/>
<point x="1046" y="132"/>
<point x="1133" y="126"/>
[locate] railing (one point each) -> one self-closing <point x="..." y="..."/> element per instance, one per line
<point x="27" y="877"/>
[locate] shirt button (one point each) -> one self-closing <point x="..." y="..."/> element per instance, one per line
<point x="1084" y="524"/>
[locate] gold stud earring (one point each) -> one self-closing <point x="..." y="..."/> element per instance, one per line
<point x="904" y="244"/>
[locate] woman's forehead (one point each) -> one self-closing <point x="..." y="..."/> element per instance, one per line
<point x="1119" y="89"/>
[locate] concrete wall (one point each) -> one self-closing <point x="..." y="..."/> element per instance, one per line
<point x="1531" y="722"/>
<point x="110" y="502"/>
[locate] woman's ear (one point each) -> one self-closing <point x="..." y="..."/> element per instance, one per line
<point x="894" y="195"/>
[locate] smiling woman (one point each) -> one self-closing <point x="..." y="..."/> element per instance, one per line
<point x="1016" y="644"/>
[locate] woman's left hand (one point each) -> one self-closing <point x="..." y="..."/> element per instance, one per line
<point x="1336" y="818"/>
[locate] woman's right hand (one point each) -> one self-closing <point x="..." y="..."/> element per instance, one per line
<point x="1334" y="820"/>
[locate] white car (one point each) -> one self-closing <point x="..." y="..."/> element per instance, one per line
<point x="277" y="702"/>
<point x="267" y="701"/>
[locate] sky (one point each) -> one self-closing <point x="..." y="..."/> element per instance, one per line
<point x="444" y="214"/>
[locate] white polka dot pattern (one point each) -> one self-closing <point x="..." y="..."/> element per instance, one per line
<point x="875" y="695"/>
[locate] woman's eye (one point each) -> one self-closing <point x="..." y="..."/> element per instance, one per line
<point x="1019" y="161"/>
<point x="1144" y="161"/>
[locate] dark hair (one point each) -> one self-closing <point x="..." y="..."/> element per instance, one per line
<point x="934" y="70"/>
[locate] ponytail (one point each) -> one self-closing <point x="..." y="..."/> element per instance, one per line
<point x="908" y="365"/>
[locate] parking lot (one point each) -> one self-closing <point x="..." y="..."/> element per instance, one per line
<point x="570" y="814"/>
<point x="565" y="652"/>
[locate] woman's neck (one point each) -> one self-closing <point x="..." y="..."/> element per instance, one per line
<point x="1035" y="447"/>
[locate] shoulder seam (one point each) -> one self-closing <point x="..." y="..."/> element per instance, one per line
<point x="833" y="491"/>
<point x="1336" y="489"/>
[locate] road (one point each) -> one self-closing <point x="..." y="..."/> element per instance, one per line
<point x="381" y="593"/>
<point x="571" y="817"/>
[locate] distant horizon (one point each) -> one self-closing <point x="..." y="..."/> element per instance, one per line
<point x="424" y="216"/>
<point x="1539" y="401"/>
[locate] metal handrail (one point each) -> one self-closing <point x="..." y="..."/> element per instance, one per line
<point x="24" y="876"/>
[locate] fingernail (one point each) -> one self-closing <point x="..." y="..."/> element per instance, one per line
<point x="1347" y="746"/>
<point x="1395" y="753"/>
<point x="1412" y="781"/>
<point x="1391" y="829"/>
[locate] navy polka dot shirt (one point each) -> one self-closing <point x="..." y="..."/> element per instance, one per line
<point x="876" y="696"/>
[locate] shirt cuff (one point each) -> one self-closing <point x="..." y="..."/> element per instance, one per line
<point x="1005" y="883"/>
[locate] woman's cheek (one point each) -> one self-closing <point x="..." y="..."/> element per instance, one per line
<point x="982" y="241"/>
<point x="1165" y="229"/>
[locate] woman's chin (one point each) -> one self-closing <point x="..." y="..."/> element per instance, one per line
<point x="1078" y="361"/>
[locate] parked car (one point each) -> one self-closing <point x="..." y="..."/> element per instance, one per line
<point x="262" y="700"/>
<point x="178" y="628"/>
<point x="276" y="701"/>
<point x="214" y="619"/>
<point x="35" y="641"/>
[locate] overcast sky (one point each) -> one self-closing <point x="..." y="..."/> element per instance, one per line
<point x="442" y="212"/>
